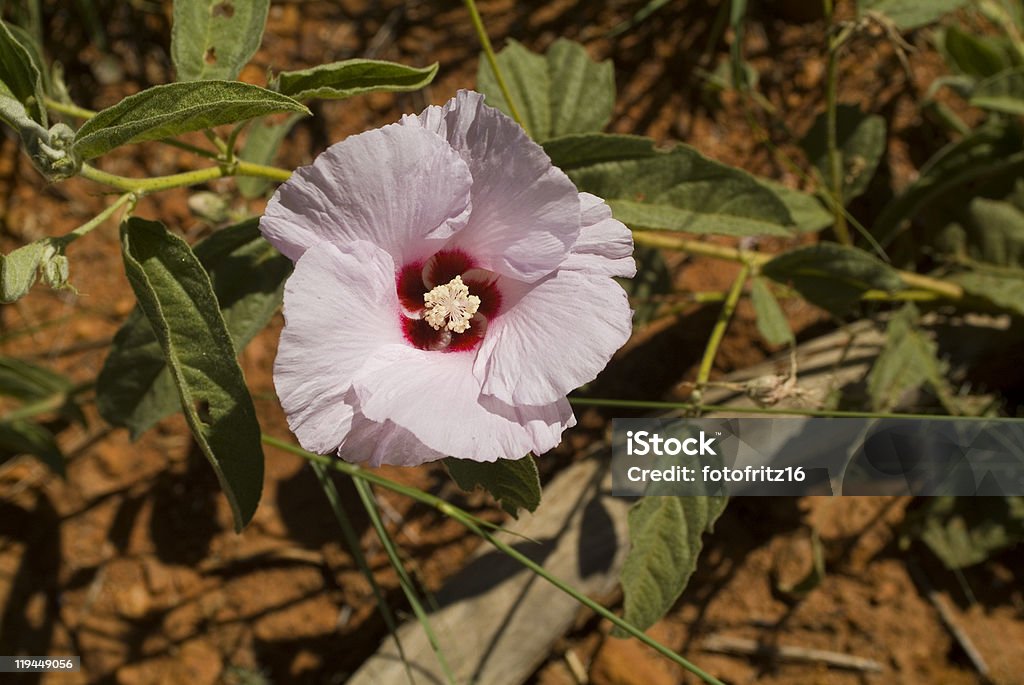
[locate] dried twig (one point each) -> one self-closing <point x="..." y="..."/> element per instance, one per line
<point x="724" y="644"/>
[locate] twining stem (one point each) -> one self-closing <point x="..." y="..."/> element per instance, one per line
<point x="143" y="186"/>
<point x="352" y="541"/>
<point x="478" y="527"/>
<point x="789" y="411"/>
<point x="98" y="219"/>
<point x="835" y="159"/>
<point x="485" y="42"/>
<point x="718" y="332"/>
<point x="668" y="241"/>
<point x="365" y="492"/>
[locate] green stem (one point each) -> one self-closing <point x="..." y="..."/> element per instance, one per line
<point x="370" y="505"/>
<point x="352" y="540"/>
<point x="835" y="159"/>
<point x="718" y="332"/>
<point x="668" y="241"/>
<point x="143" y="186"/>
<point x="45" y="405"/>
<point x="98" y="219"/>
<point x="70" y="109"/>
<point x="820" y="413"/>
<point x="474" y="525"/>
<point x="485" y="42"/>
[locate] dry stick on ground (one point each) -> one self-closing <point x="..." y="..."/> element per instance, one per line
<point x="949" y="620"/>
<point x="724" y="644"/>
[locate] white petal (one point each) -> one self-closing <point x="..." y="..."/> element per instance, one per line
<point x="377" y="444"/>
<point x="552" y="338"/>
<point x="402" y="188"/>
<point x="340" y="306"/>
<point x="435" y="397"/>
<point x="526" y="212"/>
<point x="605" y="245"/>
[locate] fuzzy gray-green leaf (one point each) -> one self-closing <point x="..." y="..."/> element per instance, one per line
<point x="175" y="293"/>
<point x="261" y="144"/>
<point x="665" y="535"/>
<point x="582" y="90"/>
<point x="514" y="483"/>
<point x="170" y="110"/>
<point x="529" y="83"/>
<point x="18" y="73"/>
<point x="214" y="39"/>
<point x="340" y="80"/>
<point x="771" y="321"/>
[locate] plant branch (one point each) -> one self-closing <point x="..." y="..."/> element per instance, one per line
<point x="485" y="43"/>
<point x="477" y="527"/>
<point x="718" y="332"/>
<point x="188" y="178"/>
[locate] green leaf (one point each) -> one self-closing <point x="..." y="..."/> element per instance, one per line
<point x="1003" y="92"/>
<point x="135" y="389"/>
<point x="18" y="270"/>
<point x="988" y="152"/>
<point x="677" y="189"/>
<point x="861" y="141"/>
<point x="529" y="83"/>
<point x="973" y="55"/>
<point x="27" y="382"/>
<point x="964" y="531"/>
<point x="261" y="144"/>
<point x="808" y="213"/>
<point x="908" y="361"/>
<point x="910" y="14"/>
<point x="832" y="276"/>
<point x="562" y="93"/>
<point x="20" y="77"/>
<point x="28" y="437"/>
<point x="176" y="108"/>
<point x="582" y="91"/>
<point x="771" y="321"/>
<point x="983" y="230"/>
<point x="665" y="535"/>
<point x="340" y="80"/>
<point x="514" y="483"/>
<point x="175" y="293"/>
<point x="1004" y="290"/>
<point x="214" y="39"/>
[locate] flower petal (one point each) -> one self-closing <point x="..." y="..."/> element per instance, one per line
<point x="526" y="358"/>
<point x="404" y="189"/>
<point x="340" y="305"/>
<point x="605" y="245"/>
<point x="435" y="396"/>
<point x="377" y="444"/>
<point x="525" y="211"/>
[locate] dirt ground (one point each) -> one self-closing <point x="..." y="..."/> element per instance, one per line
<point x="132" y="563"/>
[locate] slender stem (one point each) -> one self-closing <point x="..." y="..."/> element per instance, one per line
<point x="835" y="159"/>
<point x="187" y="178"/>
<point x="822" y="413"/>
<point x="718" y="332"/>
<point x="352" y="541"/>
<point x="668" y="241"/>
<point x="70" y="109"/>
<point x="217" y="141"/>
<point x="98" y="219"/>
<point x="194" y="149"/>
<point x="478" y="527"/>
<point x="485" y="43"/>
<point x="370" y="505"/>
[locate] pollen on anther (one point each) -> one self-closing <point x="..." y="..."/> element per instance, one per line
<point x="450" y="306"/>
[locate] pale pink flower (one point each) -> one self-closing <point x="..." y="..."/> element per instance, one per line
<point x="450" y="288"/>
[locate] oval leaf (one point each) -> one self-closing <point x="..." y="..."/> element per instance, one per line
<point x="135" y="389"/>
<point x="665" y="536"/>
<point x="583" y="92"/>
<point x="175" y="293"/>
<point x="1003" y="92"/>
<point x="526" y="75"/>
<point x="176" y="108"/>
<point x="19" y="74"/>
<point x="861" y="141"/>
<point x="214" y="39"/>
<point x="677" y="189"/>
<point x="340" y="80"/>
<point x="832" y="276"/>
<point x="910" y="14"/>
<point x="771" y="321"/>
<point x="261" y="144"/>
<point x="514" y="483"/>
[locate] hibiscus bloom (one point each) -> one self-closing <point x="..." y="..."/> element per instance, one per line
<point x="451" y="286"/>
